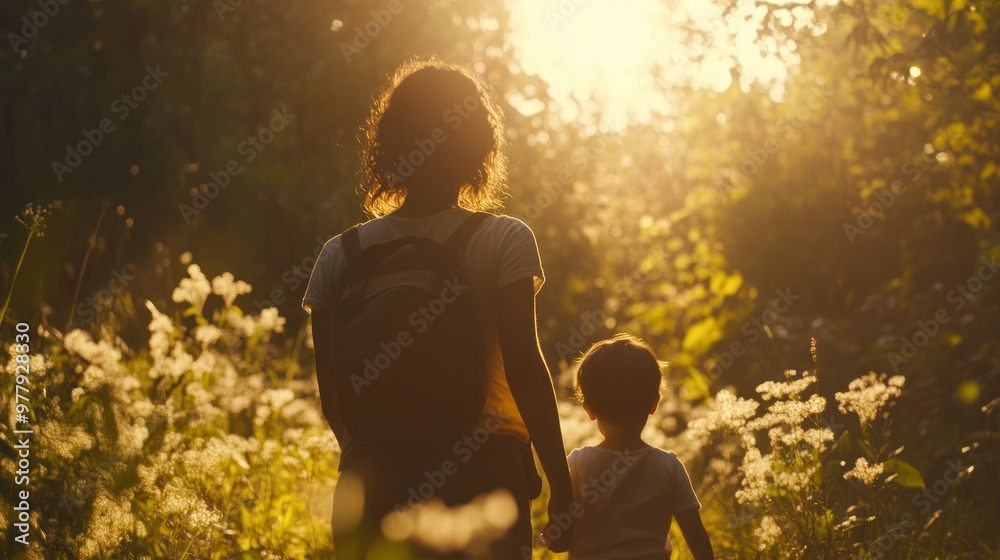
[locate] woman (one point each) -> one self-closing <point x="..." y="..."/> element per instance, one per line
<point x="434" y="157"/>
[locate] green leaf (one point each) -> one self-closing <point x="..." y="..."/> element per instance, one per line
<point x="732" y="285"/>
<point x="844" y="445"/>
<point x="988" y="171"/>
<point x="984" y="93"/>
<point x="907" y="475"/>
<point x="702" y="335"/>
<point x="696" y="386"/>
<point x="825" y="524"/>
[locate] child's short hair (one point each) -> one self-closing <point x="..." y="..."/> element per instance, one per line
<point x="433" y="115"/>
<point x="619" y="379"/>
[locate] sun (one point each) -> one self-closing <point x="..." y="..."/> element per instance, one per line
<point x="594" y="54"/>
<point x="618" y="58"/>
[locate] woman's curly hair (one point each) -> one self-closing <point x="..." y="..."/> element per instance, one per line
<point x="422" y="97"/>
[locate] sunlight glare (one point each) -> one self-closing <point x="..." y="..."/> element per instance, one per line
<point x="594" y="52"/>
<point x="620" y="59"/>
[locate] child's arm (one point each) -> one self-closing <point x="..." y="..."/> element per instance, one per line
<point x="531" y="386"/>
<point x="695" y="535"/>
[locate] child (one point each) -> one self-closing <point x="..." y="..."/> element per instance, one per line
<point x="628" y="490"/>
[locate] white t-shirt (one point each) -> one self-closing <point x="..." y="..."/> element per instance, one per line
<point x="628" y="500"/>
<point x="501" y="251"/>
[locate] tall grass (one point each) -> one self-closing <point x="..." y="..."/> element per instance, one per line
<point x="202" y="444"/>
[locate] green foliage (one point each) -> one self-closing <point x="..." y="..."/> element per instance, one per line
<point x="906" y="475"/>
<point x="188" y="446"/>
<point x="875" y="203"/>
<point x="795" y="495"/>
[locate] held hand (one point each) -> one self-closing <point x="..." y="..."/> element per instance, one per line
<point x="558" y="533"/>
<point x="560" y="544"/>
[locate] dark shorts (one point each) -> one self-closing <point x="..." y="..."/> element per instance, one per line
<point x="457" y="476"/>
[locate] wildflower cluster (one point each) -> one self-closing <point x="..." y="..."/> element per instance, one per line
<point x="866" y="396"/>
<point x="790" y="482"/>
<point x="190" y="446"/>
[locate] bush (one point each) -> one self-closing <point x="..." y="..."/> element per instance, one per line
<point x="193" y="446"/>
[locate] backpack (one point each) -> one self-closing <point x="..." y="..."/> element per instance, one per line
<point x="409" y="368"/>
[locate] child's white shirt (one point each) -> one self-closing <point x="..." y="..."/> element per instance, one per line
<point x="628" y="500"/>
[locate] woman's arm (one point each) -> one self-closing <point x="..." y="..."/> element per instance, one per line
<point x="322" y="321"/>
<point x="695" y="535"/>
<point x="531" y="386"/>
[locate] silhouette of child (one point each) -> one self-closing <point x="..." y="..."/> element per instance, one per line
<point x="625" y="492"/>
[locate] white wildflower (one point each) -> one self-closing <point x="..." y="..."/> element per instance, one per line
<point x="64" y="440"/>
<point x="277" y="398"/>
<point x="174" y="365"/>
<point x="142" y="408"/>
<point x="104" y="368"/>
<point x="180" y="500"/>
<point x="730" y="413"/>
<point x="789" y="413"/>
<point x="131" y="438"/>
<point x="767" y="533"/>
<point x="756" y="476"/>
<point x="193" y="290"/>
<point x="868" y="394"/>
<point x="110" y="521"/>
<point x="205" y="363"/>
<point x="228" y="289"/>
<point x="249" y="326"/>
<point x="160" y="330"/>
<point x="864" y="472"/>
<point x="270" y="321"/>
<point x="783" y="389"/>
<point x="207" y="334"/>
<point x="322" y="443"/>
<point x="38" y="363"/>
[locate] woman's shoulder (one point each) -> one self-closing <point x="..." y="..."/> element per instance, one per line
<point x="507" y="220"/>
<point x="506" y="226"/>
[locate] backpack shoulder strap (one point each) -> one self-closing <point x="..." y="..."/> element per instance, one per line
<point x="461" y="236"/>
<point x="351" y="242"/>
